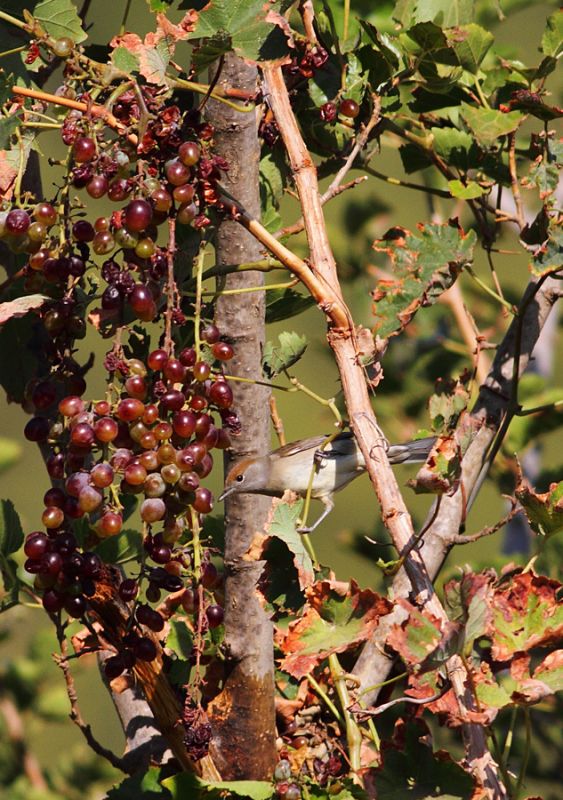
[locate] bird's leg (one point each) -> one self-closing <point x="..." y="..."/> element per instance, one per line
<point x="329" y="505"/>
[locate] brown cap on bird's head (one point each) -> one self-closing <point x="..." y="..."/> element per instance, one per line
<point x="250" y="475"/>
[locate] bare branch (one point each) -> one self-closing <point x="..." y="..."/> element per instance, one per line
<point x="343" y="341"/>
<point x="485" y="422"/>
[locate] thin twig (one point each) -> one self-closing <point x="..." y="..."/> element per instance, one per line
<point x="514" y="179"/>
<point x="335" y="185"/>
<point x="298" y="226"/>
<point x="277" y="421"/>
<point x="488" y="531"/>
<point x="75" y="714"/>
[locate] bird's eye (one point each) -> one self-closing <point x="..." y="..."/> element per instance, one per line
<point x="240" y="478"/>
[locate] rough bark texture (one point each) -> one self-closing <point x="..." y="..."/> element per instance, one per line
<point x="243" y="715"/>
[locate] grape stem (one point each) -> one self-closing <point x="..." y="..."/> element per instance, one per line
<point x="171" y="288"/>
<point x="197" y="306"/>
<point x="94" y="109"/>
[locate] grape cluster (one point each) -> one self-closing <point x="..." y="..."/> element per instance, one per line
<point x="151" y="438"/>
<point x="175" y="178"/>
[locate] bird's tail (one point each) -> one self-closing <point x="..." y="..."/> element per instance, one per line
<point x="411" y="452"/>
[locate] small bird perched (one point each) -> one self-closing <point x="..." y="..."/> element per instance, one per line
<point x="290" y="466"/>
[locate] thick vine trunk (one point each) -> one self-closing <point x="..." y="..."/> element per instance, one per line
<point x="243" y="715"/>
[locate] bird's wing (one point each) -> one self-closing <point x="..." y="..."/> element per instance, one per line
<point x="343" y="444"/>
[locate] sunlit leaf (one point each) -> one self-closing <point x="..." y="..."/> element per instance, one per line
<point x="488" y="124"/>
<point x="337" y="616"/>
<point x="424" y="265"/>
<point x="543" y="511"/>
<point x="527" y="613"/>
<point x="281" y="356"/>
<point x="59" y="19"/>
<point x="282" y="523"/>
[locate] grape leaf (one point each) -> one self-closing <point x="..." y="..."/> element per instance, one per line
<point x="424" y="266"/>
<point x="60" y="19"/>
<point x="411" y="770"/>
<point x="7" y="127"/>
<point x="552" y="39"/>
<point x="277" y="358"/>
<point x="285" y="303"/>
<point x="417" y="637"/>
<point x="20" y="306"/>
<point x="11" y="539"/>
<point x="527" y="613"/>
<point x="119" y="549"/>
<point x="488" y="124"/>
<point x="180" y="638"/>
<point x="144" y="784"/>
<point x="282" y="523"/>
<point x="446" y="13"/>
<point x="337" y="616"/>
<point x="543" y="511"/>
<point x="242" y="26"/>
<point x="465" y="191"/>
<point x="189" y="785"/>
<point x="11" y="533"/>
<point x="122" y="58"/>
<point x="549" y="257"/>
<point x="471" y="44"/>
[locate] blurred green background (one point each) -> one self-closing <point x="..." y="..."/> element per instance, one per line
<point x="355" y="219"/>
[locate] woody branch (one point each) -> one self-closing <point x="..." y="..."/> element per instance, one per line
<point x="343" y="341"/>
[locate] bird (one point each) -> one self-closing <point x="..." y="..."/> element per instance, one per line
<point x="335" y="464"/>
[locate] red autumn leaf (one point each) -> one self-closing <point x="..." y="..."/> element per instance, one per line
<point x="526" y="614"/>
<point x="336" y="617"/>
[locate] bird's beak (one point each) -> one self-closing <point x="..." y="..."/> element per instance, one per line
<point x="226" y="493"/>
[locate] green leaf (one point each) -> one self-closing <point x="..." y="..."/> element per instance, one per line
<point x="549" y="257"/>
<point x="11" y="533"/>
<point x="145" y="785"/>
<point x="189" y="785"/>
<point x="156" y="61"/>
<point x="277" y="358"/>
<point x="285" y="303"/>
<point x="544" y="176"/>
<point x="10" y="452"/>
<point x="124" y="59"/>
<point x="159" y="5"/>
<point x="244" y="22"/>
<point x="180" y="639"/>
<point x="7" y="127"/>
<point x="471" y="44"/>
<point x="283" y="525"/>
<point x="552" y="39"/>
<point x="59" y="18"/>
<point x="488" y="124"/>
<point x="411" y="770"/>
<point x="424" y="265"/>
<point x="544" y="511"/>
<point x="445" y="13"/>
<point x="120" y="549"/>
<point x="465" y="191"/>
